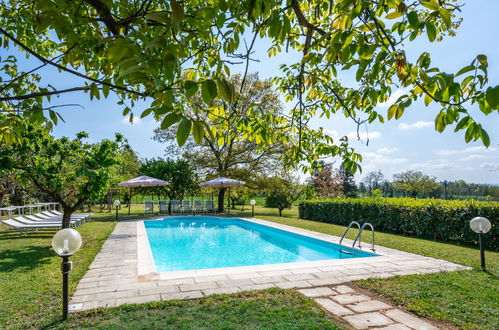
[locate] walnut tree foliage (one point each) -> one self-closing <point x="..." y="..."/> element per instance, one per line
<point x="163" y="52"/>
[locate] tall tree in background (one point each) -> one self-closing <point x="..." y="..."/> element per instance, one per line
<point x="415" y="183"/>
<point x="163" y="51"/>
<point x="178" y="173"/>
<point x="373" y="180"/>
<point x="128" y="167"/>
<point x="70" y="172"/>
<point x="225" y="151"/>
<point x="347" y="182"/>
<point x="327" y="182"/>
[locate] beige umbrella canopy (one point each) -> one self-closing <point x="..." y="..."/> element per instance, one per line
<point x="222" y="182"/>
<point x="141" y="181"/>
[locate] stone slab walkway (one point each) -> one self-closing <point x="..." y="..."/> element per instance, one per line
<point x="362" y="312"/>
<point x="113" y="277"/>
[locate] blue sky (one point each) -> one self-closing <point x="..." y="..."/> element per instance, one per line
<point x="409" y="143"/>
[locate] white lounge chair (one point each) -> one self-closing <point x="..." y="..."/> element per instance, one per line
<point x="22" y="228"/>
<point x="186" y="207"/>
<point x="148" y="207"/>
<point x="31" y="220"/>
<point x="175" y="206"/>
<point x="210" y="207"/>
<point x="163" y="207"/>
<point x="198" y="206"/>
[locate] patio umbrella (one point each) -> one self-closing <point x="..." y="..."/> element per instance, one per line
<point x="141" y="181"/>
<point x="222" y="183"/>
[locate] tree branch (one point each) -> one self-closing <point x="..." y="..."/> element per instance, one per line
<point x="74" y="72"/>
<point x="34" y="95"/>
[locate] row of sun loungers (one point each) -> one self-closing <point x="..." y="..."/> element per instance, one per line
<point x="44" y="220"/>
<point x="180" y="207"/>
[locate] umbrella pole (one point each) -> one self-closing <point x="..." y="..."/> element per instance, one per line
<point x="130" y="201"/>
<point x="228" y="204"/>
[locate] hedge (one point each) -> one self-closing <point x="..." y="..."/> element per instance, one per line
<point x="435" y="219"/>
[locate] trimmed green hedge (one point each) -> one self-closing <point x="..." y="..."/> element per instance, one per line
<point x="434" y="219"/>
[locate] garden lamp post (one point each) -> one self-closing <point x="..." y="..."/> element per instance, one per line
<point x="117" y="204"/>
<point x="253" y="202"/>
<point x="481" y="225"/>
<point x="65" y="243"/>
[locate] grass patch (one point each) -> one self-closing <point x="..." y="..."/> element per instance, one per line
<point x="30" y="275"/>
<point x="268" y="309"/>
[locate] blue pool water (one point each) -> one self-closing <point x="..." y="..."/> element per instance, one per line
<point x="184" y="243"/>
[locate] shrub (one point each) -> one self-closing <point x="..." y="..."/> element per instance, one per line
<point x="434" y="219"/>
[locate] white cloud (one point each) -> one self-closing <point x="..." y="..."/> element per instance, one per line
<point x="394" y="97"/>
<point x="492" y="167"/>
<point x="418" y="124"/>
<point x="434" y="165"/>
<point x="378" y="159"/>
<point x="481" y="149"/>
<point x="364" y="135"/>
<point x="136" y="120"/>
<point x="471" y="157"/>
<point x="386" y="150"/>
<point x="332" y="133"/>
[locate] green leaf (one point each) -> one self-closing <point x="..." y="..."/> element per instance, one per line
<point x="183" y="131"/>
<point x="482" y="59"/>
<point x="160" y="17"/>
<point x="444" y="13"/>
<point x="225" y="89"/>
<point x="431" y="4"/>
<point x="118" y="50"/>
<point x="191" y="88"/>
<point x="413" y="19"/>
<point x="209" y="91"/>
<point x="431" y="31"/>
<point x="427" y="99"/>
<point x="485" y="137"/>
<point x="462" y="123"/>
<point x="177" y="11"/>
<point x="146" y="112"/>
<point x="198" y="131"/>
<point x="391" y="111"/>
<point x="467" y="68"/>
<point x="169" y="120"/>
<point x="394" y="15"/>
<point x="439" y="122"/>
<point x="492" y="96"/>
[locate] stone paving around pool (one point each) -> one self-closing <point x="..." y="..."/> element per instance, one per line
<point x="113" y="277"/>
<point x="361" y="311"/>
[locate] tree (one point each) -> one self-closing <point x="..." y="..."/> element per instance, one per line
<point x="178" y="173"/>
<point x="348" y="185"/>
<point x="415" y="183"/>
<point x="164" y="51"/>
<point x="326" y="182"/>
<point x="70" y="172"/>
<point x="128" y="167"/>
<point x="281" y="192"/>
<point x="373" y="180"/>
<point x="225" y="151"/>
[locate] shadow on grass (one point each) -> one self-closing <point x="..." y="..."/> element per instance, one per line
<point x="27" y="258"/>
<point x="14" y="234"/>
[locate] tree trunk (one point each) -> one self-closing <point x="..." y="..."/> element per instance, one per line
<point x="221" y="199"/>
<point x="66" y="217"/>
<point x="280" y="212"/>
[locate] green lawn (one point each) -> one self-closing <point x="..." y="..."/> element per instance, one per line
<point x="30" y="276"/>
<point x="268" y="309"/>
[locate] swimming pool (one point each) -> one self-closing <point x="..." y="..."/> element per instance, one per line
<point x="200" y="242"/>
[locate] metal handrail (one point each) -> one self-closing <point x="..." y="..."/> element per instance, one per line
<point x="360" y="233"/>
<point x="346" y="231"/>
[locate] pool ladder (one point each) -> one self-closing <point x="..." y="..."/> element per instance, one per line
<point x="357" y="239"/>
